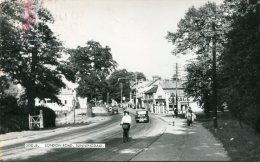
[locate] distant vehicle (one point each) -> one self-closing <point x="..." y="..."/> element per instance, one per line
<point x="115" y="110"/>
<point x="110" y="109"/>
<point x="142" y="116"/>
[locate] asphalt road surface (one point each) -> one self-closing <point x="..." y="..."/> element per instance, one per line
<point x="142" y="135"/>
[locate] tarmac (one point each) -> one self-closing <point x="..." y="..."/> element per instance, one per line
<point x="179" y="142"/>
<point x="184" y="143"/>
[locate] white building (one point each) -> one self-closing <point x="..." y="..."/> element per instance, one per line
<point x="67" y="97"/>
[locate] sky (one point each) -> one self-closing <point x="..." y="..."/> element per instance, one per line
<point x="135" y="30"/>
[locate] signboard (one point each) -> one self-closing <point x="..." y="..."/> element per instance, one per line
<point x="179" y="99"/>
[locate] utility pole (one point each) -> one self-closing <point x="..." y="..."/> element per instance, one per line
<point x="136" y="91"/>
<point x="74" y="106"/>
<point x="107" y="97"/>
<point x="176" y="87"/>
<point x="214" y="86"/>
<point x="121" y="86"/>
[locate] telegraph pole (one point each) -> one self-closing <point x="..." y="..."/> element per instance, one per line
<point x="136" y="91"/>
<point x="176" y="87"/>
<point x="121" y="86"/>
<point x="214" y="86"/>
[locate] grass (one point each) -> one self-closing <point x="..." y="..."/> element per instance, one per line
<point x="242" y="144"/>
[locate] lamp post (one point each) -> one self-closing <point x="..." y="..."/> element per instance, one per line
<point x="121" y="85"/>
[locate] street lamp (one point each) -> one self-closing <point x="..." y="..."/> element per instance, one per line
<point x="121" y="85"/>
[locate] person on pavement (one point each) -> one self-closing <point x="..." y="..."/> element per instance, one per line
<point x="176" y="112"/>
<point x="126" y="122"/>
<point x="190" y="116"/>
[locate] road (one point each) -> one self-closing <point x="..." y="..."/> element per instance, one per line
<point x="142" y="136"/>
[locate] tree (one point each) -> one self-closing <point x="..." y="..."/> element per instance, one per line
<point x="202" y="32"/>
<point x="91" y="64"/>
<point x="240" y="62"/>
<point x="127" y="79"/>
<point x="30" y="55"/>
<point x="198" y="84"/>
<point x="114" y="80"/>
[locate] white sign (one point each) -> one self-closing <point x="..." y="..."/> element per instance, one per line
<point x="65" y="145"/>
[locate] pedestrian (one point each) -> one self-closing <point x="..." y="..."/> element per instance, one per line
<point x="176" y="112"/>
<point x="189" y="116"/>
<point x="126" y="123"/>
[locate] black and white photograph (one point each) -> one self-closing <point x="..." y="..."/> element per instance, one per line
<point x="129" y="80"/>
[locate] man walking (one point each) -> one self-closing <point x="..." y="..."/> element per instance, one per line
<point x="126" y="122"/>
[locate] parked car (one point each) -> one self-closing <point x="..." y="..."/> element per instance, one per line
<point x="142" y="116"/>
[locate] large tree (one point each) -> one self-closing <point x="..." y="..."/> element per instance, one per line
<point x="240" y="61"/>
<point x="29" y="50"/>
<point x="201" y="31"/>
<point x="92" y="64"/>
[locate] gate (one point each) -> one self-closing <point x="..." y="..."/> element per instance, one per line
<point x="36" y="121"/>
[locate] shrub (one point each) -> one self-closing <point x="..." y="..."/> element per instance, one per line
<point x="12" y="117"/>
<point x="16" y="118"/>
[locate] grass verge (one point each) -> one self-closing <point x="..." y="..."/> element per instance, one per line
<point x="242" y="144"/>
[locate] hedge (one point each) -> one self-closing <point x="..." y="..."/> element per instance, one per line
<point x="15" y="118"/>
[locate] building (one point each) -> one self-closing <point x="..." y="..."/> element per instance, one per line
<point x="67" y="96"/>
<point x="160" y="97"/>
<point x="140" y="88"/>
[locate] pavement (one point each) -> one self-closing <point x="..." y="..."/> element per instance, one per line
<point x="182" y="143"/>
<point x="66" y="127"/>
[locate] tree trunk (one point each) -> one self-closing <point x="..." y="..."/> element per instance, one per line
<point x="31" y="86"/>
<point x="30" y="99"/>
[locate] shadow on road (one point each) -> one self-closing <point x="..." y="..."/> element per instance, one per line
<point x="178" y="143"/>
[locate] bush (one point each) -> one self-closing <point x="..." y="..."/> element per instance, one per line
<point x="8" y="104"/>
<point x="16" y="118"/>
<point x="12" y="117"/>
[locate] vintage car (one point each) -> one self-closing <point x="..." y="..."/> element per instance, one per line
<point x="115" y="110"/>
<point x="142" y="116"/>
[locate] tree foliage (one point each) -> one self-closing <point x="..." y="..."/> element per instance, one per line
<point x="92" y="64"/>
<point x="238" y="49"/>
<point x="196" y="33"/>
<point x="30" y="57"/>
<point x="240" y="61"/>
<point x="127" y="79"/>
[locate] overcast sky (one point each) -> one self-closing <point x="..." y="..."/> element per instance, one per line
<point x="135" y="30"/>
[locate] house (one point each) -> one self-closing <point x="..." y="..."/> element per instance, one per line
<point x="161" y="97"/>
<point x="67" y="96"/>
<point x="142" y="87"/>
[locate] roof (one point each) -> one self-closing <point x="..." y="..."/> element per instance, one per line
<point x="170" y="84"/>
<point x="152" y="90"/>
<point x="152" y="82"/>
